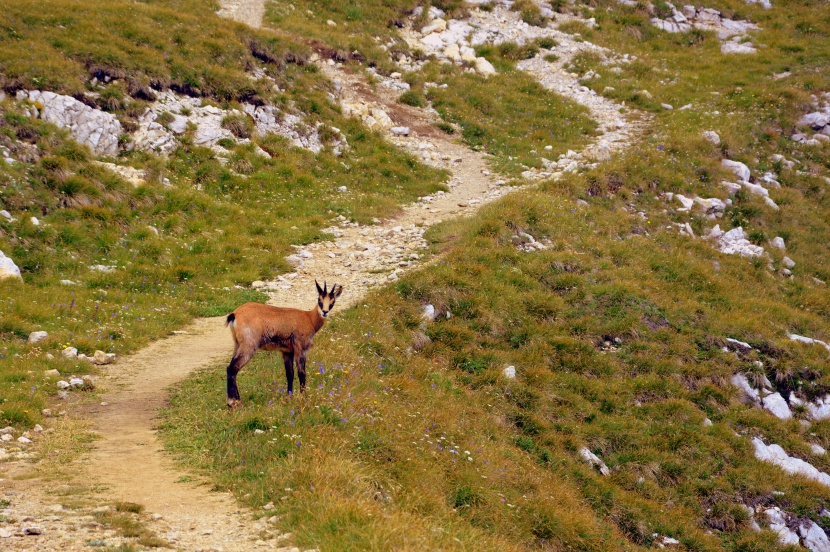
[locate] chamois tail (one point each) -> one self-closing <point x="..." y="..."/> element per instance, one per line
<point x="230" y="319"/>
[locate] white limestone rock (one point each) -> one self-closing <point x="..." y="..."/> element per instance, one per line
<point x="70" y="353"/>
<point x="37" y="337"/>
<point x="776" y="455"/>
<point x="778" y="242"/>
<point x="777" y="406"/>
<point x="741" y="382"/>
<point x="429" y="313"/>
<point x="813" y="537"/>
<point x="92" y="127"/>
<point x="816" y="120"/>
<point x="437" y="25"/>
<point x="594" y="460"/>
<point x="808" y="340"/>
<point x="509" y="372"/>
<point x="8" y="269"/>
<point x="685" y="201"/>
<point x="484" y="67"/>
<point x="102" y="358"/>
<point x="737" y="48"/>
<point x="819" y="409"/>
<point x="711" y="136"/>
<point x="740" y="170"/>
<point x="735" y="242"/>
<point x="432" y="42"/>
<point x="778" y="524"/>
<point x="732" y="188"/>
<point x="453" y="52"/>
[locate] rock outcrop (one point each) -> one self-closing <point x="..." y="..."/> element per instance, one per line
<point x="8" y="269"/>
<point x="92" y="127"/>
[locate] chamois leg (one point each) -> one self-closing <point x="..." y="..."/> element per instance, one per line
<point x="237" y="363"/>
<point x="301" y="370"/>
<point x="288" y="360"/>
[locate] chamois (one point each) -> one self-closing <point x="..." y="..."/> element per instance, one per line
<point x="255" y="326"/>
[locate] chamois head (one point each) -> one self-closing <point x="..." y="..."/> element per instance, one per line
<point x="325" y="299"/>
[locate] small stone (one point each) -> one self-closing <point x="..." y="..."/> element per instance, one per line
<point x="76" y="383"/>
<point x="269" y="506"/>
<point x="666" y="106"/>
<point x="70" y="353"/>
<point x="509" y="372"/>
<point x="24" y="440"/>
<point x="789" y="263"/>
<point x="429" y="313"/>
<point x="400" y="130"/>
<point x="712" y="137"/>
<point x="256" y="284"/>
<point x="331" y="23"/>
<point x="8" y="430"/>
<point x="63" y="384"/>
<point x="37" y="337"/>
<point x="594" y="460"/>
<point x="101" y="357"/>
<point x="740" y="170"/>
<point x="342" y="189"/>
<point x="52" y="373"/>
<point x="778" y="242"/>
<point x="484" y="67"/>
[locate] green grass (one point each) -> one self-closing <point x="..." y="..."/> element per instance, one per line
<point x="508" y="115"/>
<point x="409" y="437"/>
<point x="616" y="331"/>
<point x="60" y="44"/>
<point x="181" y="250"/>
<point x="365" y="31"/>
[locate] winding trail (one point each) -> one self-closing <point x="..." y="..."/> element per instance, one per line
<point x="128" y="463"/>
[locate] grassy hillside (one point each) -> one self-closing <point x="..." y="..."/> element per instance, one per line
<point x="182" y="244"/>
<point x="410" y="436"/>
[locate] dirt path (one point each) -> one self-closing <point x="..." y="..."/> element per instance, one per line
<point x="249" y="12"/>
<point x="127" y="462"/>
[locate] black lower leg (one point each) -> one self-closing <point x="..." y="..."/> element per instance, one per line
<point x="301" y="372"/>
<point x="288" y="360"/>
<point x="232" y="371"/>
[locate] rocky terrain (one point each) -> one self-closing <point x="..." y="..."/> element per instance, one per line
<point x="127" y="463"/>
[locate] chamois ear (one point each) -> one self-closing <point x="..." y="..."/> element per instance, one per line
<point x="336" y="291"/>
<point x="319" y="289"/>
